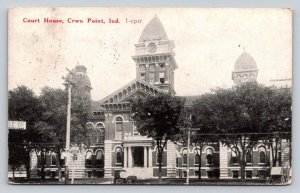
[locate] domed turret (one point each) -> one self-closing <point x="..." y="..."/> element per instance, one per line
<point x="79" y="77"/>
<point x="245" y="69"/>
<point x="153" y="31"/>
<point x="245" y="62"/>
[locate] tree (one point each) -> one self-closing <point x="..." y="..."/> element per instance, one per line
<point x="16" y="150"/>
<point x="52" y="126"/>
<point x="23" y="105"/>
<point x="240" y="117"/>
<point x="201" y="111"/>
<point x="158" y="117"/>
<point x="279" y="123"/>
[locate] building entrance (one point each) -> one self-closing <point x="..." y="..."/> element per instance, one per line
<point x="138" y="156"/>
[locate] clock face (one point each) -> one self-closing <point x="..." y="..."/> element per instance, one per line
<point x="151" y="47"/>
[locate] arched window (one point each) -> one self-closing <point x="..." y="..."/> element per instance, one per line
<point x="184" y="156"/>
<point x="119" y="127"/>
<point x="89" y="126"/>
<point x="234" y="156"/>
<point x="197" y="156"/>
<point x="53" y="159"/>
<point x="209" y="156"/>
<point x="99" y="158"/>
<point x="100" y="132"/>
<point x="249" y="156"/>
<point x="119" y="156"/>
<point x="88" y="158"/>
<point x="262" y="155"/>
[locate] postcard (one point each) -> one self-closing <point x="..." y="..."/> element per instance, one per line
<point x="132" y="96"/>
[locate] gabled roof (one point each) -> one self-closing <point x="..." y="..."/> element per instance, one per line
<point x="125" y="92"/>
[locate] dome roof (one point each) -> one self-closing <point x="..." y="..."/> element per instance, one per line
<point x="245" y="62"/>
<point x="154" y="30"/>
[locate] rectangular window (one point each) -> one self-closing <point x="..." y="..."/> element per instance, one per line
<point x="135" y="131"/>
<point x="143" y="76"/>
<point x="235" y="174"/>
<point x="210" y="174"/>
<point x="53" y="160"/>
<point x="53" y="174"/>
<point x="196" y="173"/>
<point x="62" y="162"/>
<point x="262" y="174"/>
<point x="89" y="174"/>
<point x="248" y="174"/>
<point x="162" y="77"/>
<point x="279" y="158"/>
<point x="142" y="67"/>
<point x="152" y="66"/>
<point x="119" y="126"/>
<point x="152" y="77"/>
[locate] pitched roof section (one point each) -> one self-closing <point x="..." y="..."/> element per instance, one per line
<point x="96" y="106"/>
<point x="190" y="99"/>
<point x="122" y="94"/>
<point x="154" y="30"/>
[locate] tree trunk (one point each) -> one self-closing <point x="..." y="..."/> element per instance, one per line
<point x="200" y="164"/>
<point x="58" y="168"/>
<point x="13" y="177"/>
<point x="43" y="160"/>
<point x="66" y="171"/>
<point x="27" y="165"/>
<point x="243" y="165"/>
<point x="159" y="165"/>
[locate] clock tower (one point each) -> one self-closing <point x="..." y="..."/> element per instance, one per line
<point x="154" y="57"/>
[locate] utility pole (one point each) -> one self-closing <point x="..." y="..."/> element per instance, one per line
<point x="188" y="158"/>
<point x="188" y="149"/>
<point x="68" y="83"/>
<point x="188" y="154"/>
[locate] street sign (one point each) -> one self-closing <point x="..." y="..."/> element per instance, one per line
<point x="18" y="125"/>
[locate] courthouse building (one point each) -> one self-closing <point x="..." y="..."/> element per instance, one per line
<point x="118" y="145"/>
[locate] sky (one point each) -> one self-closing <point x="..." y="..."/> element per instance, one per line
<point x="207" y="44"/>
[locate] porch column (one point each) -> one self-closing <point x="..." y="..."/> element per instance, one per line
<point x="129" y="157"/>
<point x="150" y="157"/>
<point x="125" y="157"/>
<point x="145" y="157"/>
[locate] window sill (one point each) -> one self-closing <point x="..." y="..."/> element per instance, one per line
<point x="262" y="164"/>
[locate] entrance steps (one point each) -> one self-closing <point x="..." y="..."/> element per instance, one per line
<point x="140" y="172"/>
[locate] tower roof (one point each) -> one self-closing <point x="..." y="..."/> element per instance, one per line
<point x="245" y="62"/>
<point x="78" y="75"/>
<point x="154" y="30"/>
